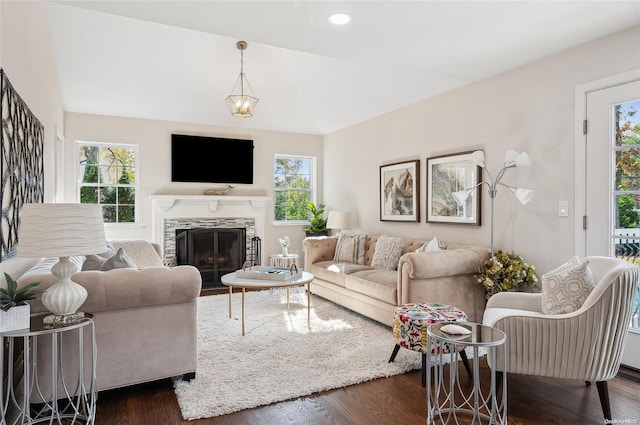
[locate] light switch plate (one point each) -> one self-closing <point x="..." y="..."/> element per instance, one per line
<point x="563" y="209"/>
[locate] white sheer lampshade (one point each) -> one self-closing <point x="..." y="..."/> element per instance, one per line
<point x="477" y="158"/>
<point x="61" y="230"/>
<point x="461" y="196"/>
<point x="519" y="159"/>
<point x="523" y="195"/>
<point x="340" y="220"/>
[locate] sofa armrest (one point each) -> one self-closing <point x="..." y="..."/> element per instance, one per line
<point x="517" y="300"/>
<point x="317" y="249"/>
<point x="130" y="288"/>
<point x="448" y="262"/>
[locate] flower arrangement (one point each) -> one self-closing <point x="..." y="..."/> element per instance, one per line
<point x="284" y="242"/>
<point x="505" y="272"/>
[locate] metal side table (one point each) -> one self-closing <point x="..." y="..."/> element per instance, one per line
<point x="447" y="399"/>
<point x="59" y="396"/>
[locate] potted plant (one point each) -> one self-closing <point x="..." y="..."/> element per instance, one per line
<point x="505" y="272"/>
<point x="14" y="309"/>
<point x="317" y="224"/>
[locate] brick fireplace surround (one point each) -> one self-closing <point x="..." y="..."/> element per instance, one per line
<point x="171" y="212"/>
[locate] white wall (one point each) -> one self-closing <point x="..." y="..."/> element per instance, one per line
<point x="27" y="57"/>
<point x="527" y="109"/>
<point x="154" y="140"/>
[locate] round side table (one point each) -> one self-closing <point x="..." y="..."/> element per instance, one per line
<point x="442" y="393"/>
<point x="58" y="396"/>
<point x="284" y="261"/>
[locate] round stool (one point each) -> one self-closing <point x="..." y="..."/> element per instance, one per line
<point x="410" y="323"/>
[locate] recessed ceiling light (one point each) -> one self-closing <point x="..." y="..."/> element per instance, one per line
<point x="339" y="18"/>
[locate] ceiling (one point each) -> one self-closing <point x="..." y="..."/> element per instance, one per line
<point x="178" y="61"/>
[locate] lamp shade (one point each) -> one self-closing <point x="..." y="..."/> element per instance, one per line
<point x="61" y="230"/>
<point x="519" y="159"/>
<point x="461" y="196"/>
<point x="339" y="220"/>
<point x="523" y="195"/>
<point x="477" y="157"/>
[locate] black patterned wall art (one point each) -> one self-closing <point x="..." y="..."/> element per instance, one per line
<point x="21" y="163"/>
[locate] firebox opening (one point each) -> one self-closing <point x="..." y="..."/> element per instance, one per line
<point x="215" y="252"/>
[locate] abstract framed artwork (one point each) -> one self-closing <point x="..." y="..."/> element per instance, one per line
<point x="400" y="191"/>
<point x="21" y="163"/>
<point x="447" y="174"/>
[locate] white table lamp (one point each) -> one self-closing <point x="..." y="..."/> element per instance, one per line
<point x="61" y="230"/>
<point x="339" y="220"/>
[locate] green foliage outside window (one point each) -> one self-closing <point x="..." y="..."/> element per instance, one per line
<point x="627" y="133"/>
<point x="293" y="188"/>
<point x="627" y="212"/>
<point x="109" y="179"/>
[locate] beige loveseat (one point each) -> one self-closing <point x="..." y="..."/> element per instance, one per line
<point x="145" y="317"/>
<point x="444" y="276"/>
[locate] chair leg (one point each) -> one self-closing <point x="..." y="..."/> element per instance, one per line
<point x="465" y="362"/>
<point x="395" y="353"/>
<point x="603" y="392"/>
<point x="424" y="370"/>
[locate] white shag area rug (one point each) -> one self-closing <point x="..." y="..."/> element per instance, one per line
<point x="279" y="358"/>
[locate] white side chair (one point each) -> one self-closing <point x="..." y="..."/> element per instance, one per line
<point x="585" y="345"/>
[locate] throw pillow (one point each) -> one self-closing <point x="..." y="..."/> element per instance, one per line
<point x="387" y="253"/>
<point x="566" y="288"/>
<point x="118" y="261"/>
<point x="94" y="262"/>
<point x="350" y="248"/>
<point x="433" y="245"/>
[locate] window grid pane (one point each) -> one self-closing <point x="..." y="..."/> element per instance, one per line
<point x="109" y="178"/>
<point x="293" y="187"/>
<point x="626" y="193"/>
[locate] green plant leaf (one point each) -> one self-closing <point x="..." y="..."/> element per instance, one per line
<point x="11" y="296"/>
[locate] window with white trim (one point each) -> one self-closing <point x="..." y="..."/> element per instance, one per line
<point x="294" y="187"/>
<point x="107" y="174"/>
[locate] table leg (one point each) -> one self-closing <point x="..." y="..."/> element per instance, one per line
<point x="309" y="305"/>
<point x="243" y="289"/>
<point x="230" y="291"/>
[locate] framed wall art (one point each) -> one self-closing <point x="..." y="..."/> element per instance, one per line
<point x="400" y="191"/>
<point x="21" y="163"/>
<point x="447" y="174"/>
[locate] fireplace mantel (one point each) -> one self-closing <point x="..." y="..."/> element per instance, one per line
<point x="170" y="206"/>
<point x="166" y="202"/>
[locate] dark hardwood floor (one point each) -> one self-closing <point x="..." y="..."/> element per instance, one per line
<point x="389" y="401"/>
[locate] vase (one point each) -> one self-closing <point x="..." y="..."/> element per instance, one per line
<point x="285" y="251"/>
<point x="16" y="318"/>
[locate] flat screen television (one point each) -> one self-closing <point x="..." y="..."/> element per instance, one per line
<point x="201" y="159"/>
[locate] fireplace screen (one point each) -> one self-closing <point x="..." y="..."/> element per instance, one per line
<point x="215" y="252"/>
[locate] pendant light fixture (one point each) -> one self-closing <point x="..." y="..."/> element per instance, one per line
<point x="242" y="100"/>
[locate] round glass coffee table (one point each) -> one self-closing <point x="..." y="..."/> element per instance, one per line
<point x="232" y="281"/>
<point x="442" y="393"/>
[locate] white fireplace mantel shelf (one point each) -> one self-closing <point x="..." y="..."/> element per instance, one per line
<point x="166" y="202"/>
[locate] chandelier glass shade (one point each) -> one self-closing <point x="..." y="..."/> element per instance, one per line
<point x="242" y="101"/>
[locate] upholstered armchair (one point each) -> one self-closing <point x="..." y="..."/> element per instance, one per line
<point x="585" y="344"/>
